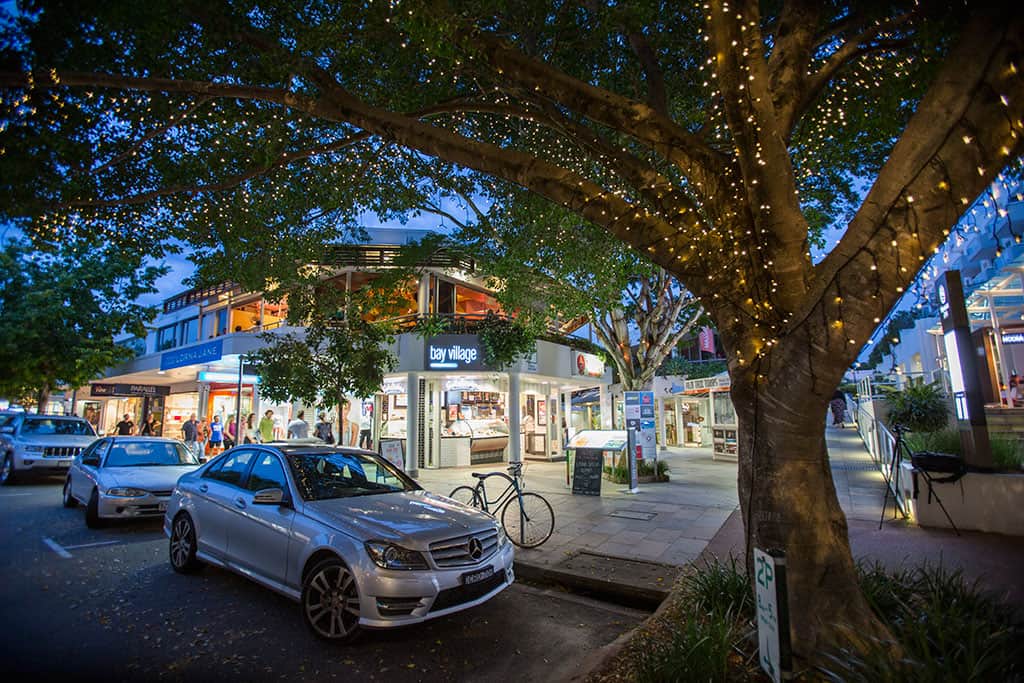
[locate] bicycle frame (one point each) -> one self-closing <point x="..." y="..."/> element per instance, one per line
<point x="511" y="490"/>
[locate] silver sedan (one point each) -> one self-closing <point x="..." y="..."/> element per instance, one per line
<point x="342" y="531"/>
<point x="126" y="477"/>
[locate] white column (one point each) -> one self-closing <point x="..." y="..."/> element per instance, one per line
<point x="515" y="441"/>
<point x="412" y="424"/>
<point x="567" y="413"/>
<point x="554" y="427"/>
<point x="606" y="407"/>
<point x="660" y="416"/>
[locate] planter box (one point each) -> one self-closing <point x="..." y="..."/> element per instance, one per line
<point x="989" y="502"/>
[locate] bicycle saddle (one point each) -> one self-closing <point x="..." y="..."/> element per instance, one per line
<point x="479" y="475"/>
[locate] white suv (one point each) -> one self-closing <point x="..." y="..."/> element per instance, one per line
<point x="41" y="443"/>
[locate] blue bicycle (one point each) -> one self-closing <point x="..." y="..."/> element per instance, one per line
<point x="528" y="518"/>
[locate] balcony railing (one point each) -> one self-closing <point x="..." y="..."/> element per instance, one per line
<point x="382" y="256"/>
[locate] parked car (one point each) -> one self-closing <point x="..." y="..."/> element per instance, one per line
<point x="124" y="477"/>
<point x="342" y="531"/>
<point x="41" y="443"/>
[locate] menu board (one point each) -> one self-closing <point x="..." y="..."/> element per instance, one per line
<point x="586" y="472"/>
<point x="604" y="439"/>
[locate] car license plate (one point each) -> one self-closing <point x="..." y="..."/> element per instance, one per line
<point x="162" y="507"/>
<point x="63" y="463"/>
<point x="477" y="576"/>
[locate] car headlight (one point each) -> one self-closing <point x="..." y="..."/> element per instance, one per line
<point x="121" y="492"/>
<point x="502" y="537"/>
<point x="34" y="449"/>
<point x="390" y="556"/>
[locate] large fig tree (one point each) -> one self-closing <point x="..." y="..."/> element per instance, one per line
<point x="716" y="138"/>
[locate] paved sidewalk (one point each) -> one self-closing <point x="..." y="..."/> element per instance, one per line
<point x="684" y="513"/>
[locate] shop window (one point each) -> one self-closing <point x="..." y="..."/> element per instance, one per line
<point x="245" y="316"/>
<point x="444" y="303"/>
<point x="188" y="331"/>
<point x="166" y="338"/>
<point x="275" y="314"/>
<point x="472" y="302"/>
<point x="215" y="323"/>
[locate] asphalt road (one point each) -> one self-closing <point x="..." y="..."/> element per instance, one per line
<point x="105" y="604"/>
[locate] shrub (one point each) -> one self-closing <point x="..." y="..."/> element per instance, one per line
<point x="948" y="629"/>
<point x="920" y="408"/>
<point x="1006" y="449"/>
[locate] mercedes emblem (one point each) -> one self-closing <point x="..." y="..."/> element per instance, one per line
<point x="476" y="549"/>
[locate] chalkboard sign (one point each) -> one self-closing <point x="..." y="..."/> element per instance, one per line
<point x="586" y="472"/>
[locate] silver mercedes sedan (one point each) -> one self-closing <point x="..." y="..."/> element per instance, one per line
<point x="342" y="531"/>
<point x="124" y="477"/>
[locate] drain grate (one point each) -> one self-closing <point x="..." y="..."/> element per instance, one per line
<point x="634" y="514"/>
<point x="854" y="466"/>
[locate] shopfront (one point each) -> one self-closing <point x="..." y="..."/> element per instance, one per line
<point x="449" y="409"/>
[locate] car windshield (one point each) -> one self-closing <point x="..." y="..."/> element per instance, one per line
<point x="45" y="426"/>
<point x="148" y="454"/>
<point x="320" y="476"/>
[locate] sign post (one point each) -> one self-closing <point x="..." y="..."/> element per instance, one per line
<point x="963" y="373"/>
<point x="772" y="614"/>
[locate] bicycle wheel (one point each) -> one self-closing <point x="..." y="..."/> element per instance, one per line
<point x="528" y="520"/>
<point x="467" y="496"/>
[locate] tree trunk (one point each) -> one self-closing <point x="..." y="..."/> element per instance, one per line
<point x="788" y="499"/>
<point x="43" y="399"/>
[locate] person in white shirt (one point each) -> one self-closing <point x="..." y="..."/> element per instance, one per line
<point x="348" y="432"/>
<point x="298" y="428"/>
<point x="365" y="427"/>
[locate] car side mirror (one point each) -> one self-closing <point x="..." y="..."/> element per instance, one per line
<point x="270" y="497"/>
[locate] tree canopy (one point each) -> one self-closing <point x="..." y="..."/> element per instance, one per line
<point x="716" y="139"/>
<point x="60" y="312"/>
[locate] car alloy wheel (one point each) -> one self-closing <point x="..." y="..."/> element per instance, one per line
<point x="183" y="545"/>
<point x="69" y="500"/>
<point x="330" y="601"/>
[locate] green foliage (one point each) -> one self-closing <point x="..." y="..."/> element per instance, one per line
<point x="338" y="354"/>
<point x="60" y="310"/>
<point x="949" y="630"/>
<point x="689" y="369"/>
<point x="430" y="326"/>
<point x="504" y="341"/>
<point x="698" y="651"/>
<point x="920" y="407"/>
<point x="902" y="320"/>
<point x="619" y="474"/>
<point x="721" y="588"/>
<point x="1007" y="450"/>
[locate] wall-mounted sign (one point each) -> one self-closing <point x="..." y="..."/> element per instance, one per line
<point x="231" y="377"/>
<point x="455" y="352"/>
<point x="706" y="339"/>
<point x="207" y="352"/>
<point x="128" y="390"/>
<point x="586" y="365"/>
<point x="1013" y="337"/>
<point x="395" y="386"/>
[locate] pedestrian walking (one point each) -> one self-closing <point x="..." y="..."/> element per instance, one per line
<point x="230" y="432"/>
<point x="267" y="427"/>
<point x="324" y="431"/>
<point x="252" y="435"/>
<point x="365" y="434"/>
<point x="298" y="428"/>
<point x="190" y="435"/>
<point x="125" y="427"/>
<point x="216" y="435"/>
<point x="149" y="426"/>
<point x="348" y="430"/>
<point x="838" y="406"/>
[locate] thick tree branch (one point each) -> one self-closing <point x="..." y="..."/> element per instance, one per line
<point x="657" y="99"/>
<point x="970" y="122"/>
<point x="764" y="160"/>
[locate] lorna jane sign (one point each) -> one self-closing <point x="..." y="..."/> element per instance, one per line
<point x="455" y="352"/>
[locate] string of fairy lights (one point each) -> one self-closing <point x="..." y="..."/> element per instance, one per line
<point x="249" y="162"/>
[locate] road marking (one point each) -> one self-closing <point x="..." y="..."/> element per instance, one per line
<point x="56" y="547"/>
<point x="88" y="545"/>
